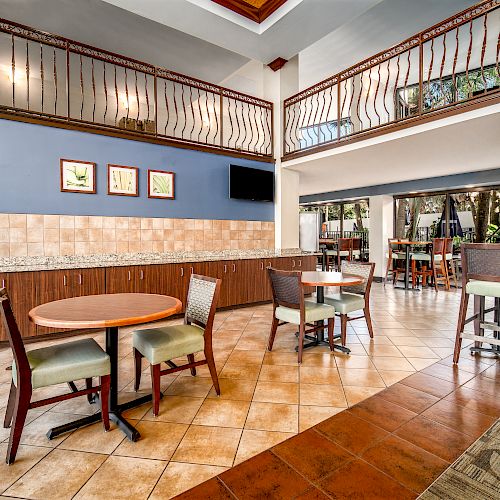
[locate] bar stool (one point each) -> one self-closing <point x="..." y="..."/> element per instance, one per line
<point x="393" y="253"/>
<point x="481" y="278"/>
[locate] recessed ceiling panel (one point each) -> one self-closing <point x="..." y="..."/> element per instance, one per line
<point x="256" y="10"/>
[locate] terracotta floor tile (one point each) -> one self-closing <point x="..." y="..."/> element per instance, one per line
<point x="238" y="390"/>
<point x="355" y="394"/>
<point x="176" y="409"/>
<point x="312" y="455"/>
<point x="483" y="384"/>
<point x="312" y="415"/>
<point x="421" y="363"/>
<point x="408" y="397"/>
<point x="479" y="401"/>
<point x="277" y="373"/>
<point x="123" y="477"/>
<point x="319" y="375"/>
<point x="459" y="418"/>
<point x="222" y="413"/>
<point x="361" y="377"/>
<point x="322" y="395"/>
<point x="59" y="475"/>
<point x="27" y="457"/>
<point x="382" y="413"/>
<point x="312" y="494"/>
<point x="417" y="352"/>
<point x="359" y="480"/>
<point x="318" y="359"/>
<point x="276" y="392"/>
<point x="253" y="442"/>
<point x="390" y="363"/>
<point x="391" y="377"/>
<point x="407" y="341"/>
<point x="208" y="445"/>
<point x="246" y="357"/>
<point x="449" y="373"/>
<point x="264" y="476"/>
<point x="158" y="440"/>
<point x="354" y="362"/>
<point x="273" y="417"/>
<point x="432" y="385"/>
<point x="280" y="358"/>
<point x="408" y="464"/>
<point x="383" y="350"/>
<point x="212" y="489"/>
<point x="351" y="432"/>
<point x="193" y="387"/>
<point x="179" y="477"/>
<point x="435" y="438"/>
<point x="492" y="372"/>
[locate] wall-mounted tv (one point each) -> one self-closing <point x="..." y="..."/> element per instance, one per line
<point x="254" y="184"/>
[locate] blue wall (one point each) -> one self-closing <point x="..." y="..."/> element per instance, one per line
<point x="29" y="176"/>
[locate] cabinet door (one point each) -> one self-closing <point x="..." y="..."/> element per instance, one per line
<point x="239" y="272"/>
<point x="120" y="279"/>
<point x="88" y="282"/>
<point x="257" y="280"/>
<point x="148" y="279"/>
<point x="22" y="294"/>
<point x="220" y="269"/>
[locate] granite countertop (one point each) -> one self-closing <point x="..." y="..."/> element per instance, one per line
<point x="19" y="264"/>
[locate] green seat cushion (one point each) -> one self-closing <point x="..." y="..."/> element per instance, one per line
<point x="484" y="288"/>
<point x="426" y="257"/>
<point x="66" y="362"/>
<point x="313" y="312"/>
<point x="345" y="302"/>
<point x="169" y="342"/>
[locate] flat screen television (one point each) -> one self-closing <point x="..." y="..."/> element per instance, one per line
<point x="254" y="184"/>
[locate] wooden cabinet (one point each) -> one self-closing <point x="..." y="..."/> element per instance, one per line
<point x="21" y="290"/>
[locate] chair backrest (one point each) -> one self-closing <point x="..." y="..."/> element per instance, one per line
<point x="202" y="298"/>
<point x="344" y="244"/>
<point x="480" y="261"/>
<point x="287" y="288"/>
<point x="15" y="339"/>
<point x="364" y="269"/>
<point x="356" y="243"/>
<point x="439" y="246"/>
<point x="449" y="245"/>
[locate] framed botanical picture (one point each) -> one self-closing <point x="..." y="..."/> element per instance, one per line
<point x="161" y="184"/>
<point x="123" y="181"/>
<point x="77" y="176"/>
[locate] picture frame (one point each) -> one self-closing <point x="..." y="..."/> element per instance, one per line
<point x="161" y="184"/>
<point x="123" y="180"/>
<point x="77" y="176"/>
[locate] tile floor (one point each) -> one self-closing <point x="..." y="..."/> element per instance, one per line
<point x="266" y="398"/>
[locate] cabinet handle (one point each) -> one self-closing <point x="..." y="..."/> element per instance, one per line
<point x="129" y="276"/>
<point x="293" y="263"/>
<point x="65" y="281"/>
<point x="80" y="279"/>
<point x="3" y="283"/>
<point x="300" y="262"/>
<point x="262" y="266"/>
<point x="192" y="270"/>
<point x="225" y="268"/>
<point x="234" y="268"/>
<point x="182" y="272"/>
<point x="141" y="274"/>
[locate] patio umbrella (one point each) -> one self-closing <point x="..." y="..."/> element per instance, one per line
<point x="455" y="226"/>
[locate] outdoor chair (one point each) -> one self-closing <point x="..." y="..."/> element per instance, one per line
<point x="343" y="249"/>
<point x="394" y="253"/>
<point x="46" y="366"/>
<point x="481" y="278"/>
<point x="354" y="298"/>
<point x="289" y="306"/>
<point x="163" y="344"/>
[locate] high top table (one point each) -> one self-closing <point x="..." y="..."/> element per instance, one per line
<point x="408" y="245"/>
<point x="108" y="311"/>
<point x="320" y="279"/>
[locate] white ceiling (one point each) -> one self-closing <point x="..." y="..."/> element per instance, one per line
<point x="463" y="143"/>
<point x="286" y="36"/>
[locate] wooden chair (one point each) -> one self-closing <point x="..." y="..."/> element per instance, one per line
<point x="61" y="363"/>
<point x="426" y="262"/>
<point x="450" y="262"/>
<point x="481" y="278"/>
<point x="439" y="268"/>
<point x="394" y="253"/>
<point x="356" y="249"/>
<point x="343" y="250"/>
<point x="289" y="306"/>
<point x="354" y="298"/>
<point x="164" y="344"/>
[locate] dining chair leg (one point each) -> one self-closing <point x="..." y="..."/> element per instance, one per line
<point x="444" y="271"/>
<point x="331" y="326"/>
<point x="138" y="368"/>
<point x="343" y="328"/>
<point x="413" y="273"/>
<point x="191" y="360"/>
<point x="105" y="382"/>
<point x="209" y="356"/>
<point x="451" y="267"/>
<point x="464" y="302"/>
<point x="9" y="411"/>
<point x="302" y="332"/>
<point x="88" y="385"/>
<point x="479" y="303"/>
<point x="21" y="406"/>
<point x="274" y="327"/>
<point x="155" y="379"/>
<point x="435" y="276"/>
<point x="368" y="319"/>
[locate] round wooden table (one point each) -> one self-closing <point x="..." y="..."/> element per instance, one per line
<point x="408" y="245"/>
<point x="320" y="279"/>
<point x="108" y="311"/>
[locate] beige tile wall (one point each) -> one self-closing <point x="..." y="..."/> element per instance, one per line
<point x="52" y="235"/>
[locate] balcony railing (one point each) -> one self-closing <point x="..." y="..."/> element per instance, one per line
<point x="61" y="82"/>
<point x="454" y="64"/>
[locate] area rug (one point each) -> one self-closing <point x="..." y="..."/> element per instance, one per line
<point x="474" y="475"/>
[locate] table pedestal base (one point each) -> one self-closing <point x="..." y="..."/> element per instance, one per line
<point x="320" y="340"/>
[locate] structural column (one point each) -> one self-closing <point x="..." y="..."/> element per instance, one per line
<point x="381" y="229"/>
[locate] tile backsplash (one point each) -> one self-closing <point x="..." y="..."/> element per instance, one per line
<point x="53" y="235"/>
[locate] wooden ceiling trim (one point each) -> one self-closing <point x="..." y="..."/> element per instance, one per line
<point x="246" y="9"/>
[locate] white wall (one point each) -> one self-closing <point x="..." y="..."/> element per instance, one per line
<point x="381" y="229"/>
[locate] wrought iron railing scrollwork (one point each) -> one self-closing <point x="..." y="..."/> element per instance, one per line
<point x="451" y="64"/>
<point x="59" y="80"/>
